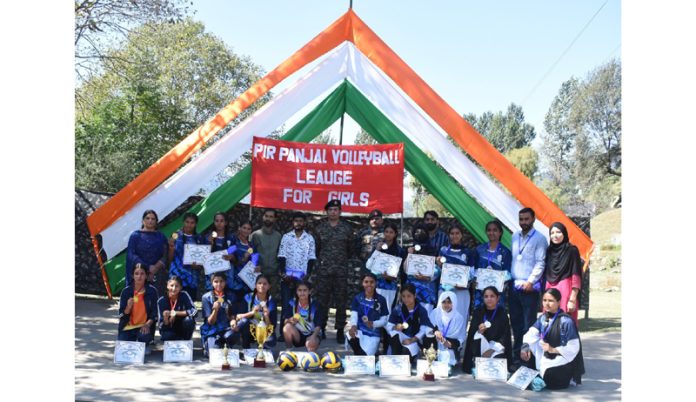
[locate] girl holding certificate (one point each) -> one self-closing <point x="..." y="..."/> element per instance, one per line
<point x="489" y="332"/>
<point x="553" y="345"/>
<point x="218" y="310"/>
<point x="449" y="327"/>
<point x="177" y="314"/>
<point x="257" y="306"/>
<point x="240" y="254"/>
<point x="408" y="324"/>
<point x="426" y="286"/>
<point x="386" y="285"/>
<point x="564" y="269"/>
<point x="457" y="254"/>
<point x="220" y="238"/>
<point x="368" y="313"/>
<point x="137" y="309"/>
<point x="302" y="321"/>
<point x="148" y="247"/>
<point x="493" y="255"/>
<point x="188" y="273"/>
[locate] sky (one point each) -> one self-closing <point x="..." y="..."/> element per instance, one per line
<point x="478" y="56"/>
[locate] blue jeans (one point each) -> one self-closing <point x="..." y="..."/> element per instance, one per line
<point x="523" y="314"/>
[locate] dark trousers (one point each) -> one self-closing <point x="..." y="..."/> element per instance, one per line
<point x="287" y="292"/>
<point x="192" y="291"/>
<point x="182" y="330"/>
<point x="134" y="335"/>
<point x="558" y="377"/>
<point x="331" y="285"/>
<point x="398" y="349"/>
<point x="229" y="337"/>
<point x="355" y="345"/>
<point x="523" y="314"/>
<point x="247" y="338"/>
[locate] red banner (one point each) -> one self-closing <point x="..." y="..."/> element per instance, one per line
<point x="295" y="175"/>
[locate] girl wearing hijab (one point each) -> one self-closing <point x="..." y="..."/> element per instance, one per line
<point x="408" y="324"/>
<point x="489" y="332"/>
<point x="564" y="269"/>
<point x="449" y="327"/>
<point x="552" y="345"/>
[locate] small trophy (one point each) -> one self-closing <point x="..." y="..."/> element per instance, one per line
<point x="430" y="355"/>
<point x="260" y="332"/>
<point x="226" y="363"/>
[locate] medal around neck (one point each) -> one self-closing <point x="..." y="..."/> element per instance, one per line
<point x="519" y="257"/>
<point x="365" y="319"/>
<point x="417" y="247"/>
<point x="384" y="247"/>
<point x="214" y="235"/>
<point x="487" y="324"/>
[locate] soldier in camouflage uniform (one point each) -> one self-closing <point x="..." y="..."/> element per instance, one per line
<point x="334" y="244"/>
<point x="371" y="235"/>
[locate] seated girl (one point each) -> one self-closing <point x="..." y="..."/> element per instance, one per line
<point x="408" y="324"/>
<point x="137" y="309"/>
<point x="489" y="332"/>
<point x="218" y="310"/>
<point x="177" y="314"/>
<point x="368" y="313"/>
<point x="258" y="305"/>
<point x="552" y="345"/>
<point x="302" y="321"/>
<point x="449" y="327"/>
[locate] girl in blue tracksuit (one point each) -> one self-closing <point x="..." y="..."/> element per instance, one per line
<point x="137" y="309"/>
<point x="257" y="306"/>
<point x="221" y="238"/>
<point x="190" y="273"/>
<point x="302" y="320"/>
<point x="493" y="255"/>
<point x="456" y="253"/>
<point x="218" y="311"/>
<point x="177" y="313"/>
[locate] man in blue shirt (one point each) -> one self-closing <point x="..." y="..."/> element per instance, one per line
<point x="528" y="263"/>
<point x="437" y="238"/>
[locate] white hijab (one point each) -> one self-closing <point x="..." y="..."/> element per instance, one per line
<point x="453" y="318"/>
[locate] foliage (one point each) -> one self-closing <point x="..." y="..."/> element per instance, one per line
<point x="525" y="159"/>
<point x="324" y="138"/>
<point x="505" y="131"/>
<point x="364" y="138"/>
<point x="178" y="77"/>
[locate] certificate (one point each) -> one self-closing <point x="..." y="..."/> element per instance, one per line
<point x="195" y="253"/>
<point x="214" y="262"/>
<point x="248" y="275"/>
<point x="420" y="264"/>
<point x="491" y="369"/>
<point x="385" y="263"/>
<point x="394" y="366"/>
<point x="490" y="277"/>
<point x="216" y="357"/>
<point x="360" y="365"/>
<point x="127" y="352"/>
<point x="177" y="351"/>
<point x="440" y="369"/>
<point x="455" y="275"/>
<point x="522" y="378"/>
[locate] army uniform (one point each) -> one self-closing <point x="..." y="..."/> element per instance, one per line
<point x="368" y="241"/>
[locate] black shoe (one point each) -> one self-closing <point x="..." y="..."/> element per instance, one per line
<point x="340" y="337"/>
<point x="323" y="334"/>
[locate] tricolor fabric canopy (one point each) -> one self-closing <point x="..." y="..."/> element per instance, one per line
<point x="366" y="80"/>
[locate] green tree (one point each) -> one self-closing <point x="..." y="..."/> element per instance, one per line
<point x="324" y="138"/>
<point x="364" y="138"/>
<point x="178" y="77"/>
<point x="525" y="159"/>
<point x="505" y="131"/>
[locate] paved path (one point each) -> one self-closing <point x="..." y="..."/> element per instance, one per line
<point x="98" y="378"/>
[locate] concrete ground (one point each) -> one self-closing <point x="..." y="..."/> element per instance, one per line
<point x="97" y="378"/>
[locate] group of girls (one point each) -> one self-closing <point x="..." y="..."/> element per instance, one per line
<point x="426" y="312"/>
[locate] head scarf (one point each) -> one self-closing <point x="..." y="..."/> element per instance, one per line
<point x="442" y="319"/>
<point x="447" y="315"/>
<point x="562" y="260"/>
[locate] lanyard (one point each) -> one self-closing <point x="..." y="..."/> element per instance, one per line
<point x="410" y="315"/>
<point x="488" y="250"/>
<point x="444" y="333"/>
<point x="173" y="306"/>
<point x="304" y="312"/>
<point x="485" y="316"/>
<point x="219" y="296"/>
<point x="543" y="334"/>
<point x="367" y="309"/>
<point x="519" y="240"/>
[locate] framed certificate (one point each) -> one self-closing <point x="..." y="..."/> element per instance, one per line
<point x="360" y="365"/>
<point x="195" y="253"/>
<point x="522" y="378"/>
<point x="385" y="263"/>
<point x="216" y="357"/>
<point x="455" y="275"/>
<point x="214" y="262"/>
<point x="248" y="275"/>
<point x="440" y="369"/>
<point x="490" y="277"/>
<point x="177" y="351"/>
<point x="127" y="352"/>
<point x="420" y="264"/>
<point x="491" y="369"/>
<point x="394" y="366"/>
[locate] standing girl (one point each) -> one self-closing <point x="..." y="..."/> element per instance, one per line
<point x="493" y="255"/>
<point x="564" y="269"/>
<point x="456" y="253"/>
<point x="189" y="273"/>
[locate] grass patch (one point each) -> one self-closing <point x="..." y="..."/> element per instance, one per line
<point x="599" y="324"/>
<point x="605" y="226"/>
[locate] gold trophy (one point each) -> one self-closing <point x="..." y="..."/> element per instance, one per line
<point x="225" y="363"/>
<point x="260" y="332"/>
<point x="430" y="355"/>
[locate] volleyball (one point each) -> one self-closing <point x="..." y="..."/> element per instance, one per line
<point x="287" y="361"/>
<point x="310" y="361"/>
<point x="330" y="361"/>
